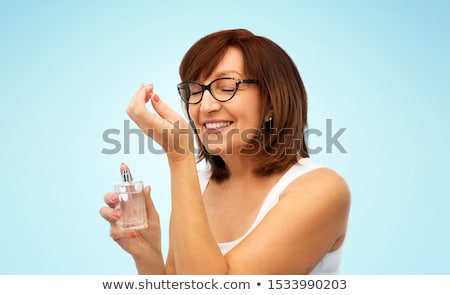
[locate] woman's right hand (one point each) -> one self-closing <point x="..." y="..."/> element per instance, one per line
<point x="145" y="244"/>
<point x="165" y="126"/>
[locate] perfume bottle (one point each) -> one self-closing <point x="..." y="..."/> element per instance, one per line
<point x="131" y="203"/>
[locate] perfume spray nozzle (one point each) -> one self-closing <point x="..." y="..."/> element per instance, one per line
<point x="126" y="176"/>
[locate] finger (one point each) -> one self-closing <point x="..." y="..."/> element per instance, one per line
<point x="116" y="234"/>
<point x="150" y="123"/>
<point x="137" y="111"/>
<point x="109" y="214"/>
<point x="136" y="108"/>
<point x="148" y="92"/>
<point x="164" y="110"/>
<point x="111" y="199"/>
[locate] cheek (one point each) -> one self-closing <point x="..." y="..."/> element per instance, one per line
<point x="193" y="114"/>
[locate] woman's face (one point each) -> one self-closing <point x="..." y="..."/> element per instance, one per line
<point x="225" y="127"/>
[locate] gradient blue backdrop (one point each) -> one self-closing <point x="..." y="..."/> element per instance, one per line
<point x="379" y="69"/>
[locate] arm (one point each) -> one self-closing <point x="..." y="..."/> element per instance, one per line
<point x="195" y="250"/>
<point x="309" y="221"/>
<point x="192" y="244"/>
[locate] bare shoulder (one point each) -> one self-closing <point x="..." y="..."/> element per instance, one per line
<point x="322" y="183"/>
<point x="309" y="220"/>
<point x="324" y="197"/>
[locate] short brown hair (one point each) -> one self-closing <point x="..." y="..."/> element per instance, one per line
<point x="281" y="140"/>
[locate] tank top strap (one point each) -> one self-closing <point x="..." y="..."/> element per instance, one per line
<point x="203" y="178"/>
<point x="302" y="167"/>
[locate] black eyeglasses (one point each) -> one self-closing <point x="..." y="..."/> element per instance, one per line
<point x="222" y="89"/>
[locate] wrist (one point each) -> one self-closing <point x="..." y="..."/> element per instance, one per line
<point x="150" y="263"/>
<point x="181" y="160"/>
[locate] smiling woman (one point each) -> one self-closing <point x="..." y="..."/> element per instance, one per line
<point x="261" y="206"/>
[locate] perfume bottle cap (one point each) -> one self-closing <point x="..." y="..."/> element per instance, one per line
<point x="126" y="176"/>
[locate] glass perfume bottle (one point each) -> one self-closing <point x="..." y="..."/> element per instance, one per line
<point x="131" y="203"/>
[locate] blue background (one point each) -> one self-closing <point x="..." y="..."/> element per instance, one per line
<point x="379" y="69"/>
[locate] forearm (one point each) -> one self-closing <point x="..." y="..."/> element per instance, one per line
<point x="150" y="264"/>
<point x="194" y="247"/>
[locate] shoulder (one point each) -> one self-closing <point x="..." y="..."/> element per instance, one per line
<point x="309" y="219"/>
<point x="323" y="191"/>
<point x="317" y="179"/>
<point x="321" y="181"/>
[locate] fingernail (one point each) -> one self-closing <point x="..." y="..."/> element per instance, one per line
<point x="116" y="214"/>
<point x="133" y="234"/>
<point x="156" y="98"/>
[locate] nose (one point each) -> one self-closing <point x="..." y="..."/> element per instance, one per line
<point x="209" y="104"/>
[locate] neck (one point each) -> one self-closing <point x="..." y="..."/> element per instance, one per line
<point x="241" y="167"/>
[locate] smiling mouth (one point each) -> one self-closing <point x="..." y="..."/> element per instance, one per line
<point x="217" y="125"/>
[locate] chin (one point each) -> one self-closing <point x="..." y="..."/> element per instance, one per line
<point x="216" y="150"/>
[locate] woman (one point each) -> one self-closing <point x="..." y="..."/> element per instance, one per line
<point x="262" y="206"/>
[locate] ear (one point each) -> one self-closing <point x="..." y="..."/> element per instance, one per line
<point x="268" y="116"/>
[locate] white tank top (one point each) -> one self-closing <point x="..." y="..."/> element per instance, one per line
<point x="330" y="264"/>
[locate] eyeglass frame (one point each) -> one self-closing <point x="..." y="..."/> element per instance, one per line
<point x="208" y="87"/>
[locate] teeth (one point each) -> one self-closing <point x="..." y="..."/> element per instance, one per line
<point x="217" y="125"/>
